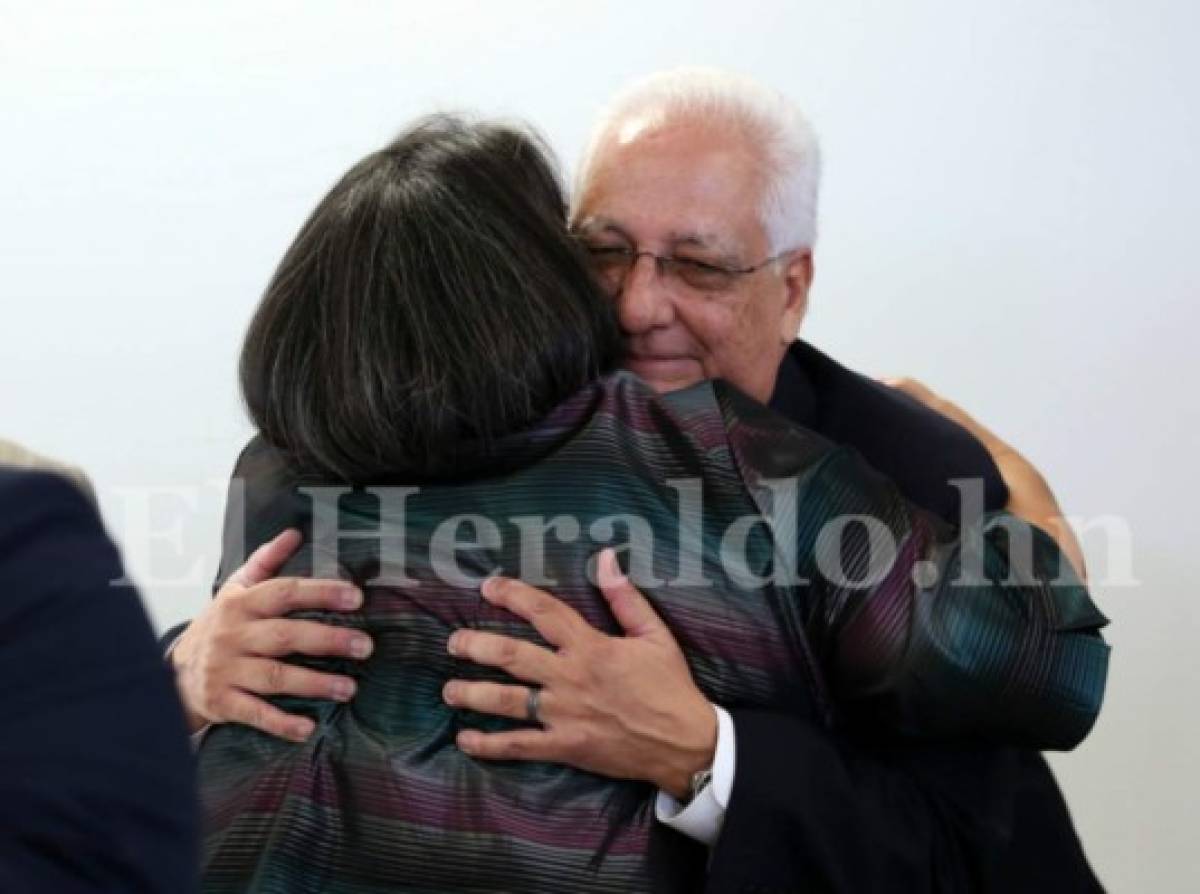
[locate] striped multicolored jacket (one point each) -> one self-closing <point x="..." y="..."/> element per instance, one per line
<point x="797" y="615"/>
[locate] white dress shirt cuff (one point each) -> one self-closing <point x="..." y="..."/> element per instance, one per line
<point x="703" y="817"/>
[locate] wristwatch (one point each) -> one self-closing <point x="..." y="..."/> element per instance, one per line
<point x="700" y="781"/>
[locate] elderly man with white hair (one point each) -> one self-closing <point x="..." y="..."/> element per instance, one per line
<point x="696" y="199"/>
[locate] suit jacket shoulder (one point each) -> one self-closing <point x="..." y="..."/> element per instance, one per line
<point x="918" y="448"/>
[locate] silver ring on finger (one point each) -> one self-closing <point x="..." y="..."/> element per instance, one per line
<point x="533" y="704"/>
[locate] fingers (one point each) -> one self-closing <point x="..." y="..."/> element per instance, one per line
<point x="241" y="707"/>
<point x="495" y="698"/>
<point x="274" y="638"/>
<point x="519" y="659"/>
<point x="265" y="676"/>
<point x="556" y="621"/>
<point x="631" y="609"/>
<point x="275" y="598"/>
<point x="265" y="561"/>
<point x="516" y="745"/>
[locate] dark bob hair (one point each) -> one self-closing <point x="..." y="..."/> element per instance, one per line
<point x="432" y="303"/>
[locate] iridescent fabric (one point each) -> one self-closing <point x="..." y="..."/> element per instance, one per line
<point x="379" y="799"/>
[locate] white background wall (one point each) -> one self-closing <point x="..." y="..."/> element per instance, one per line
<point x="1010" y="213"/>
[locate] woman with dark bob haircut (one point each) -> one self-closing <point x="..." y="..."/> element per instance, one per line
<point x="431" y="303"/>
<point x="431" y="370"/>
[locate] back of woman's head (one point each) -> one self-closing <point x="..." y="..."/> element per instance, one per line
<point x="432" y="303"/>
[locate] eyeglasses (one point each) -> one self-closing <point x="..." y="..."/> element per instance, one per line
<point x="611" y="265"/>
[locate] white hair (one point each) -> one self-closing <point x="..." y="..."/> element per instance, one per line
<point x="774" y="124"/>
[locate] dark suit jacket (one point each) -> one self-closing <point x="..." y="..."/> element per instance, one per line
<point x="96" y="776"/>
<point x="811" y="813"/>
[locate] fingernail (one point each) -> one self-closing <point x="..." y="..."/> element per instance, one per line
<point x="350" y="599"/>
<point x="491" y="586"/>
<point x="466" y="740"/>
<point x="450" y="693"/>
<point x="302" y="729"/>
<point x="452" y="644"/>
<point x="360" y="647"/>
<point x="611" y="567"/>
<point x="343" y="690"/>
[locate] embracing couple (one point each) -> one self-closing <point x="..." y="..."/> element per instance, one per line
<point x="459" y="376"/>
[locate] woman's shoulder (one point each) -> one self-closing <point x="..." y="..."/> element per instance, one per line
<point x="766" y="443"/>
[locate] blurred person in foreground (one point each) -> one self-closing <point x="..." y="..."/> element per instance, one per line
<point x="97" y="785"/>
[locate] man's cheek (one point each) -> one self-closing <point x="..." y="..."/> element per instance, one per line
<point x="743" y="331"/>
<point x="711" y="325"/>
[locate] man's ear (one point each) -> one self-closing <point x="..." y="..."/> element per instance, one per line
<point x="797" y="279"/>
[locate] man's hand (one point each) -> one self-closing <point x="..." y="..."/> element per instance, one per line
<point x="229" y="655"/>
<point x="624" y="707"/>
<point x="1030" y="497"/>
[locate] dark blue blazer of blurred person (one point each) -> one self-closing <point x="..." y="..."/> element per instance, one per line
<point x="97" y="789"/>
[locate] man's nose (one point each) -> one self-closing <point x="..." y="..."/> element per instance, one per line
<point x="645" y="299"/>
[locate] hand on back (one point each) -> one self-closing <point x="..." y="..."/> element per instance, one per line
<point x="230" y="656"/>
